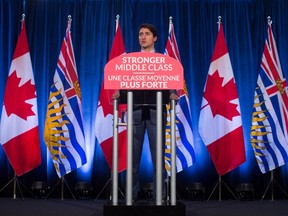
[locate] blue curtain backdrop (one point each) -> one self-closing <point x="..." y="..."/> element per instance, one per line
<point x="93" y="27"/>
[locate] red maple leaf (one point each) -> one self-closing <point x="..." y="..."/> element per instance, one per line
<point x="219" y="97"/>
<point x="15" y="97"/>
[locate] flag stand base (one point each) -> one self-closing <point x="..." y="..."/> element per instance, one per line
<point x="144" y="209"/>
<point x="219" y="184"/>
<point x="271" y="183"/>
<point x="16" y="183"/>
<point x="62" y="181"/>
<point x="107" y="185"/>
<point x="167" y="182"/>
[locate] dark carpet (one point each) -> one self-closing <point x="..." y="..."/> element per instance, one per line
<point x="57" y="207"/>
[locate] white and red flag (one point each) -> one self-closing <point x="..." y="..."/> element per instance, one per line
<point x="220" y="124"/>
<point x="19" y="130"/>
<point x="104" y="114"/>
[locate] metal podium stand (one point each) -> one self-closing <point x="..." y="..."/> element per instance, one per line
<point x="114" y="73"/>
<point x="170" y="207"/>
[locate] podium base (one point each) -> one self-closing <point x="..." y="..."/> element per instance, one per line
<point x="144" y="209"/>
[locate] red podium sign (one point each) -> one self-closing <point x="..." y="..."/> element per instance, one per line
<point x="143" y="71"/>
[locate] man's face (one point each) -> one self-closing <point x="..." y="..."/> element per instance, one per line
<point x="146" y="39"/>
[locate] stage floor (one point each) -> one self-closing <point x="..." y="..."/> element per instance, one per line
<point x="58" y="207"/>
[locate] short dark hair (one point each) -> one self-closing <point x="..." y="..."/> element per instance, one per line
<point x="151" y="27"/>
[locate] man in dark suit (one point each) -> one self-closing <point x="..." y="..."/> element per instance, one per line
<point x="144" y="115"/>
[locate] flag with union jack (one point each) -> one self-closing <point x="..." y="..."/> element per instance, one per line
<point x="64" y="132"/>
<point x="185" y="154"/>
<point x="270" y="114"/>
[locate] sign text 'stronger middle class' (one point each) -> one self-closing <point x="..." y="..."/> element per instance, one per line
<point x="143" y="71"/>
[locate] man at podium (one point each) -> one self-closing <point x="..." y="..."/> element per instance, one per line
<point x="144" y="115"/>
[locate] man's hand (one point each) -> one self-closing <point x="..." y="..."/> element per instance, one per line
<point x="174" y="96"/>
<point x="116" y="95"/>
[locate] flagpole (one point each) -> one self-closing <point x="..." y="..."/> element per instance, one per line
<point x="129" y="148"/>
<point x="173" y="153"/>
<point x="22" y="20"/>
<point x="159" y="152"/>
<point x="219" y="22"/>
<point x="269" y="20"/>
<point x="117" y="21"/>
<point x="14" y="186"/>
<point x="115" y="145"/>
<point x="170" y="23"/>
<point x="68" y="29"/>
<point x="115" y="154"/>
<point x="220" y="188"/>
<point x="62" y="188"/>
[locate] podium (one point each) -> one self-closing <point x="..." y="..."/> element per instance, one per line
<point x="151" y="77"/>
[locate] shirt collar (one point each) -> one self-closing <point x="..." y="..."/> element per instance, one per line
<point x="152" y="51"/>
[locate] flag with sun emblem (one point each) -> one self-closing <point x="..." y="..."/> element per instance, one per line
<point x="270" y="115"/>
<point x="64" y="132"/>
<point x="185" y="153"/>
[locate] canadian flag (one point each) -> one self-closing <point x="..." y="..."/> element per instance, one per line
<point x="19" y="134"/>
<point x="220" y="124"/>
<point x="104" y="114"/>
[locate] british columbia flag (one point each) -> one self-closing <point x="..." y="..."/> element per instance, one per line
<point x="185" y="154"/>
<point x="270" y="115"/>
<point x="64" y="132"/>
